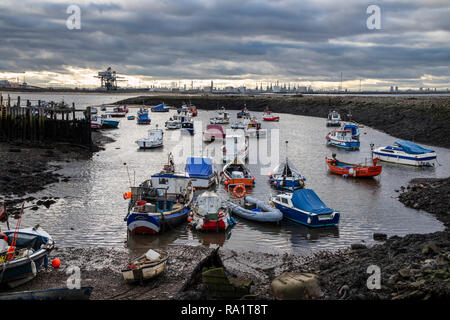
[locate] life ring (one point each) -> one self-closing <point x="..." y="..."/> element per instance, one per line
<point x="242" y="193"/>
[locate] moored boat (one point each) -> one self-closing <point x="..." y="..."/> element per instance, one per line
<point x="131" y="117"/>
<point x="353" y="170"/>
<point x="305" y="207"/>
<point x="236" y="173"/>
<point x="406" y="152"/>
<point x="213" y="132"/>
<point x="201" y="171"/>
<point x="342" y="139"/>
<point x="262" y="212"/>
<point x="145" y="267"/>
<point x="160" y="108"/>
<point x="269" y="116"/>
<point x="353" y="128"/>
<point x="109" y="122"/>
<point x="210" y="213"/>
<point x="254" y="128"/>
<point x="286" y="176"/>
<point x="96" y="122"/>
<point x="244" y="113"/>
<point x="83" y="293"/>
<point x="222" y="117"/>
<point x="334" y="119"/>
<point x="153" y="140"/>
<point x="119" y="112"/>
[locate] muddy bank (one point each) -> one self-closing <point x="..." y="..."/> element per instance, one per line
<point x="28" y="168"/>
<point x="420" y="119"/>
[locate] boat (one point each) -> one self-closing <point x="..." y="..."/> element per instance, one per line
<point x="103" y="108"/>
<point x="236" y="173"/>
<point x="193" y="110"/>
<point x="96" y="122"/>
<point x="406" y="152"/>
<point x="22" y="253"/>
<point x="222" y="117"/>
<point x="286" y="176"/>
<point x="353" y="170"/>
<point x="244" y="113"/>
<point x="176" y="121"/>
<point x="256" y="210"/>
<point x="235" y="144"/>
<point x="119" y="112"/>
<point x="188" y="126"/>
<point x="240" y="124"/>
<point x="142" y="118"/>
<point x="269" y="116"/>
<point x="254" y="128"/>
<point x="160" y="108"/>
<point x="145" y="267"/>
<point x="213" y="132"/>
<point x="131" y="117"/>
<point x="153" y="140"/>
<point x="83" y="293"/>
<point x="210" y="213"/>
<point x="109" y="122"/>
<point x="94" y="111"/>
<point x="305" y="207"/>
<point x="353" y="128"/>
<point x="342" y="139"/>
<point x="159" y="203"/>
<point x="334" y="119"/>
<point x="201" y="171"/>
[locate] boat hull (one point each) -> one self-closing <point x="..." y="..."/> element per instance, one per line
<point x="288" y="184"/>
<point x="143" y="223"/>
<point x="348" y="145"/>
<point x="144" y="273"/>
<point x="110" y="124"/>
<point x="307" y="218"/>
<point x="417" y="160"/>
<point x="352" y="170"/>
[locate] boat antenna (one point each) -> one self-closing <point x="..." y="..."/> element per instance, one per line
<point x="128" y="173"/>
<point x="371" y="149"/>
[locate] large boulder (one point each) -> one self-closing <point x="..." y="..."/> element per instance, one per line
<point x="296" y="286"/>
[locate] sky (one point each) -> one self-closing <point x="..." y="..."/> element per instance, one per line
<point x="232" y="42"/>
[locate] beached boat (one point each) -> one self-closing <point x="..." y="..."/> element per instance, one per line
<point x="142" y="118"/>
<point x="222" y="117"/>
<point x="286" y="176"/>
<point x="257" y="210"/>
<point x="160" y="108"/>
<point x="153" y="140"/>
<point x="119" y="112"/>
<point x="159" y="203"/>
<point x="244" y="113"/>
<point x="22" y="253"/>
<point x="145" y="267"/>
<point x="94" y="110"/>
<point x="334" y="119"/>
<point x="210" y="213"/>
<point x="269" y="116"/>
<point x="353" y="170"/>
<point x="131" y="117"/>
<point x="201" y="171"/>
<point x="406" y="152"/>
<point x="213" y="132"/>
<point x="109" y="122"/>
<point x="305" y="207"/>
<point x="96" y="122"/>
<point x="236" y="173"/>
<point x="83" y="293"/>
<point x="235" y="144"/>
<point x="342" y="139"/>
<point x="176" y="121"/>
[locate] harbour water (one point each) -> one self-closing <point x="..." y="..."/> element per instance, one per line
<point x="91" y="207"/>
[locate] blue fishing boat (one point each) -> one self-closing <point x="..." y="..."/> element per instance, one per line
<point x="342" y="139"/>
<point x="108" y="121"/>
<point x="406" y="152"/>
<point x="22" y="253"/>
<point x="305" y="207"/>
<point x="160" y="108"/>
<point x="159" y="203"/>
<point x="142" y="118"/>
<point x="286" y="176"/>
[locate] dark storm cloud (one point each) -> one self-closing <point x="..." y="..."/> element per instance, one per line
<point x="229" y="39"/>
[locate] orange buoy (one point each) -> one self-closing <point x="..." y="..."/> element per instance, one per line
<point x="189" y="219"/>
<point x="127" y="195"/>
<point x="56" y="263"/>
<point x="240" y="194"/>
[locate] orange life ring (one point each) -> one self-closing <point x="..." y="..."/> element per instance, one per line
<point x="242" y="193"/>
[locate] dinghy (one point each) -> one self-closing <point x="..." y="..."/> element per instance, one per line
<point x="286" y="176"/>
<point x="262" y="212"/>
<point x="236" y="173"/>
<point x="334" y="119"/>
<point x="153" y="140"/>
<point x="406" y="152"/>
<point x="131" y="117"/>
<point x="353" y="170"/>
<point x="145" y="267"/>
<point x="305" y="207"/>
<point x="210" y="213"/>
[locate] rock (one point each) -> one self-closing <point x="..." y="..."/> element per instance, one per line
<point x="296" y="286"/>
<point x="405" y="273"/>
<point x="418" y="283"/>
<point x="357" y="246"/>
<point x="15" y="150"/>
<point x="379" y="236"/>
<point x="430" y="247"/>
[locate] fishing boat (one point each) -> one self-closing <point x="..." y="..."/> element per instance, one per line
<point x="235" y="144"/>
<point x="353" y="128"/>
<point x="213" y="132"/>
<point x="353" y="170"/>
<point x="201" y="171"/>
<point x="160" y="108"/>
<point x="222" y="117"/>
<point x="22" y="253"/>
<point x="153" y="140"/>
<point x="285" y="176"/>
<point x="254" y="128"/>
<point x="210" y="213"/>
<point x="83" y="293"/>
<point x="131" y="117"/>
<point x="159" y="203"/>
<point x="256" y="210"/>
<point x="305" y="207"/>
<point x="240" y="124"/>
<point x="236" y="173"/>
<point x="406" y="152"/>
<point x="193" y="110"/>
<point x="96" y="122"/>
<point x="269" y="116"/>
<point x="173" y="123"/>
<point x="334" y="119"/>
<point x="142" y="118"/>
<point x="188" y="126"/>
<point x="109" y="122"/>
<point x="119" y="112"/>
<point x="244" y="113"/>
<point x="145" y="267"/>
<point x="342" y="139"/>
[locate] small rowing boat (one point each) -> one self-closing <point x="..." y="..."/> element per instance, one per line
<point x="353" y="170"/>
<point x="236" y="173"/>
<point x="145" y="267"/>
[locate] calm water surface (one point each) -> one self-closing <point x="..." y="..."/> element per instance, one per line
<point x="92" y="204"/>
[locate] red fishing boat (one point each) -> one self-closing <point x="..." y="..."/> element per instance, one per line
<point x="353" y="170"/>
<point x="269" y="116"/>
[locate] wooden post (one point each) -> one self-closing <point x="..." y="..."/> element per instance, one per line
<point x="18" y="101"/>
<point x="88" y="122"/>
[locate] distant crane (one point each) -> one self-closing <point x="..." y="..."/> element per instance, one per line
<point x="109" y="79"/>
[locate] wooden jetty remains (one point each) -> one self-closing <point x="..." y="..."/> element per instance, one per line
<point x="44" y="122"/>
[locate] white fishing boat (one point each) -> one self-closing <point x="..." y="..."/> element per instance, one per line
<point x="242" y="124"/>
<point x="153" y="140"/>
<point x="222" y="117"/>
<point x="334" y="119"/>
<point x="406" y="152"/>
<point x="342" y="139"/>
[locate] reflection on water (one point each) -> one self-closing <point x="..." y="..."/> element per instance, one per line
<point x="91" y="209"/>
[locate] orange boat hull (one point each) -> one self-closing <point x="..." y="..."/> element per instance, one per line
<point x="248" y="182"/>
<point x="359" y="171"/>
